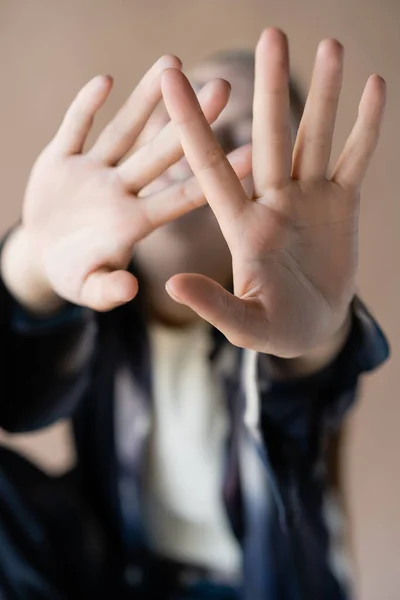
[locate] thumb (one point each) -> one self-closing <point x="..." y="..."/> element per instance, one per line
<point x="104" y="290"/>
<point x="214" y="304"/>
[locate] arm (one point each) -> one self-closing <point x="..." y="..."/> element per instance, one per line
<point x="46" y="359"/>
<point x="68" y="258"/>
<point x="294" y="245"/>
<point x="294" y="261"/>
<point x="309" y="409"/>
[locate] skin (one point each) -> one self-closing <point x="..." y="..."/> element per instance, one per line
<point x="290" y="247"/>
<point x="78" y="247"/>
<point x="194" y="241"/>
<point x="294" y="244"/>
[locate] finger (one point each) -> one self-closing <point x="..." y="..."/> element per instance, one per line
<point x="152" y="159"/>
<point x="216" y="177"/>
<point x="271" y="113"/>
<point x="234" y="317"/>
<point x="360" y="146"/>
<point x="78" y="120"/>
<point x="314" y="139"/>
<point x="104" y="289"/>
<point x="183" y="197"/>
<point x="156" y="122"/>
<point x="119" y="135"/>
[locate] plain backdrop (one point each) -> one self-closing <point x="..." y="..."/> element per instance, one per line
<point x="48" y="49"/>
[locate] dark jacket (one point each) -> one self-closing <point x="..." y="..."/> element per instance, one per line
<point x="275" y="488"/>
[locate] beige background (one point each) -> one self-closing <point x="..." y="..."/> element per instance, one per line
<point x="48" y="49"/>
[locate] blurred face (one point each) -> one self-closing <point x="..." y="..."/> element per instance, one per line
<point x="194" y="242"/>
<point x="232" y="129"/>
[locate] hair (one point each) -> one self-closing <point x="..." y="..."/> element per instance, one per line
<point x="245" y="59"/>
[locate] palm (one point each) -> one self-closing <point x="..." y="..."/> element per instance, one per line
<point x="85" y="211"/>
<point x="294" y="245"/>
<point x="295" y="260"/>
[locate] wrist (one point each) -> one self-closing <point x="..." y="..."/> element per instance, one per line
<point x="317" y="358"/>
<point x="23" y="276"/>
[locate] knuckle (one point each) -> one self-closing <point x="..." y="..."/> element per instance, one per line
<point x="189" y="194"/>
<point x="316" y="139"/>
<point x="212" y="158"/>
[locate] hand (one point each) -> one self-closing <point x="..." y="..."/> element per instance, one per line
<point x="294" y="246"/>
<point x="84" y="211"/>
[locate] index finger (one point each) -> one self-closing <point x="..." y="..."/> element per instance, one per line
<point x="218" y="181"/>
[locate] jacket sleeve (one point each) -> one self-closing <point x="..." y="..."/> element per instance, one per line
<point x="45" y="364"/>
<point x="299" y="416"/>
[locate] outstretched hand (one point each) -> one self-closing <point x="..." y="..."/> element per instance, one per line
<point x="85" y="209"/>
<point x="294" y="245"/>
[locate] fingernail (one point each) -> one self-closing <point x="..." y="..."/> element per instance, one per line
<point x="169" y="289"/>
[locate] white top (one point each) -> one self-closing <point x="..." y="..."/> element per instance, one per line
<point x="185" y="516"/>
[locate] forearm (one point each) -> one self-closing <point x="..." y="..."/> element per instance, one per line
<point x="306" y="408"/>
<point x="44" y="362"/>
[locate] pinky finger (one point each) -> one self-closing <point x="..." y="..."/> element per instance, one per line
<point x="78" y="119"/>
<point x="362" y="141"/>
<point x="104" y="290"/>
